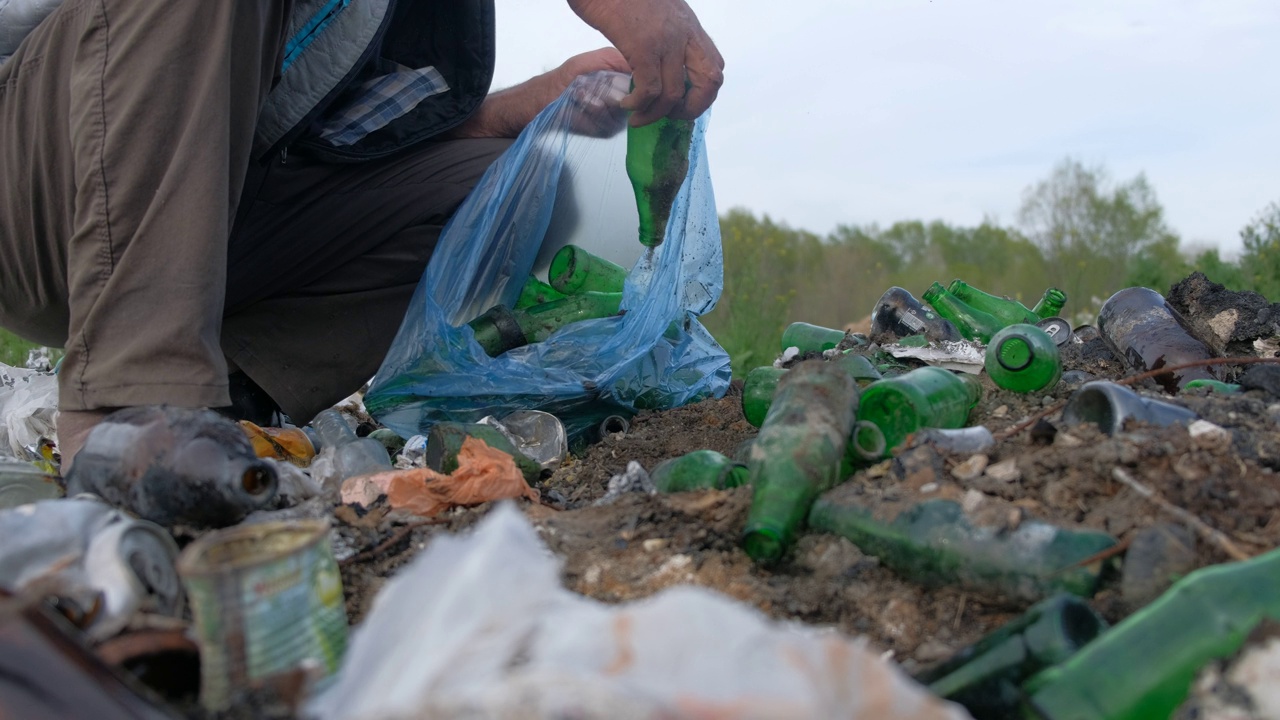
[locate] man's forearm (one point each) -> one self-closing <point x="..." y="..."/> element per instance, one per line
<point x="505" y="113"/>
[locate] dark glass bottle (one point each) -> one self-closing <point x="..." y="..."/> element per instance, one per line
<point x="898" y="314"/>
<point x="1007" y="311"/>
<point x="972" y="323"/>
<point x="1139" y="326"/>
<point x="762" y="382"/>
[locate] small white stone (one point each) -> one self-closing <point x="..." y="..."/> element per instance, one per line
<point x="654" y="544"/>
<point x="1006" y="471"/>
<point x="928" y="488"/>
<point x="592" y="575"/>
<point x="1000" y="411"/>
<point x="1201" y="428"/>
<point x="1067" y="440"/>
<point x="972" y="500"/>
<point x="971" y="468"/>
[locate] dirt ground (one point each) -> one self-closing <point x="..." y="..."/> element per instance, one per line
<point x="1066" y="476"/>
<point x="641" y="544"/>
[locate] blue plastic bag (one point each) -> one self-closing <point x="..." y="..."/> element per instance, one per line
<point x="655" y="355"/>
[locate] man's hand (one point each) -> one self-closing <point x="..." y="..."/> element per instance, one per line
<point x="506" y="112"/>
<point x="664" y="44"/>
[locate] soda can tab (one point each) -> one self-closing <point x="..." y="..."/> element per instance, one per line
<point x="266" y="599"/>
<point x="1057" y="329"/>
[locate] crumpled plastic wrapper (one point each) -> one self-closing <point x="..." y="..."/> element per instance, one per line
<point x="480" y="626"/>
<point x="28" y="411"/>
<point x="483" y="474"/>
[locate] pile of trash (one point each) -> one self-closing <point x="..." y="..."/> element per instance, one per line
<point x="975" y="509"/>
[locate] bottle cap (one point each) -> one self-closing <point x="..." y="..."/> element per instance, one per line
<point x="1057" y="329"/>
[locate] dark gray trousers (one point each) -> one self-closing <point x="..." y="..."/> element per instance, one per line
<point x="136" y="233"/>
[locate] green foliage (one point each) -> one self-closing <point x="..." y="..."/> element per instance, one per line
<point x="13" y="349"/>
<point x="1080" y="232"/>
<point x="1092" y="231"/>
<point x="1261" y="259"/>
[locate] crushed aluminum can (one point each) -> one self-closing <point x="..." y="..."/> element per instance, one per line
<point x="267" y="599"/>
<point x="83" y="550"/>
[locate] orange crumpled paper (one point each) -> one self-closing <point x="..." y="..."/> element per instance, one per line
<point x="483" y="474"/>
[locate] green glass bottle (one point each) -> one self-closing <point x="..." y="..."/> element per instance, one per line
<point x="1023" y="358"/>
<point x="501" y="329"/>
<point x="757" y="392"/>
<point x="1143" y="667"/>
<point x="1051" y="304"/>
<point x="574" y="270"/>
<point x="1005" y="310"/>
<point x="811" y="338"/>
<point x="444" y="442"/>
<point x="798" y="454"/>
<point x="937" y="544"/>
<point x="536" y="292"/>
<point x="986" y="677"/>
<point x="762" y="382"/>
<point x="1214" y="385"/>
<point x="972" y="323"/>
<point x="698" y="470"/>
<point x="657" y="163"/>
<point x="924" y="397"/>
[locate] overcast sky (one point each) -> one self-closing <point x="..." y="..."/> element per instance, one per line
<point x="854" y="111"/>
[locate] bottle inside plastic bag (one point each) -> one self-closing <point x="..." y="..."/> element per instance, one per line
<point x="557" y="186"/>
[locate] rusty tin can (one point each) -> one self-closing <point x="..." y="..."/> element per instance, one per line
<point x="266" y="599"/>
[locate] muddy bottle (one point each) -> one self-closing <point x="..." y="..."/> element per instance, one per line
<point x="1023" y="358"/>
<point x="501" y="329"/>
<point x="924" y="397"/>
<point x="1140" y="327"/>
<point x="1051" y="304"/>
<point x="536" y="292"/>
<point x="174" y="466"/>
<point x="657" y="163"/>
<point x="898" y="314"/>
<point x="798" y="454"/>
<point x="972" y="323"/>
<point x="1008" y="312"/>
<point x="698" y="470"/>
<point x="985" y="677"/>
<point x="574" y="270"/>
<point x="1143" y="667"/>
<point x="762" y="382"/>
<point x="1109" y="406"/>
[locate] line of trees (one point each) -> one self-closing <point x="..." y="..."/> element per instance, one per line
<point x="1077" y="230"/>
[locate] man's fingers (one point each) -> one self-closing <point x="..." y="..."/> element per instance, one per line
<point x="706" y="75"/>
<point x="670" y="95"/>
<point x="646" y="79"/>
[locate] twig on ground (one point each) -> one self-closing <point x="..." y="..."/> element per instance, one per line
<point x="1110" y="552"/>
<point x="1214" y="536"/>
<point x="396" y="537"/>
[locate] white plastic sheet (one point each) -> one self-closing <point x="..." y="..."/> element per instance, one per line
<point x="479" y="626"/>
<point x="28" y="410"/>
